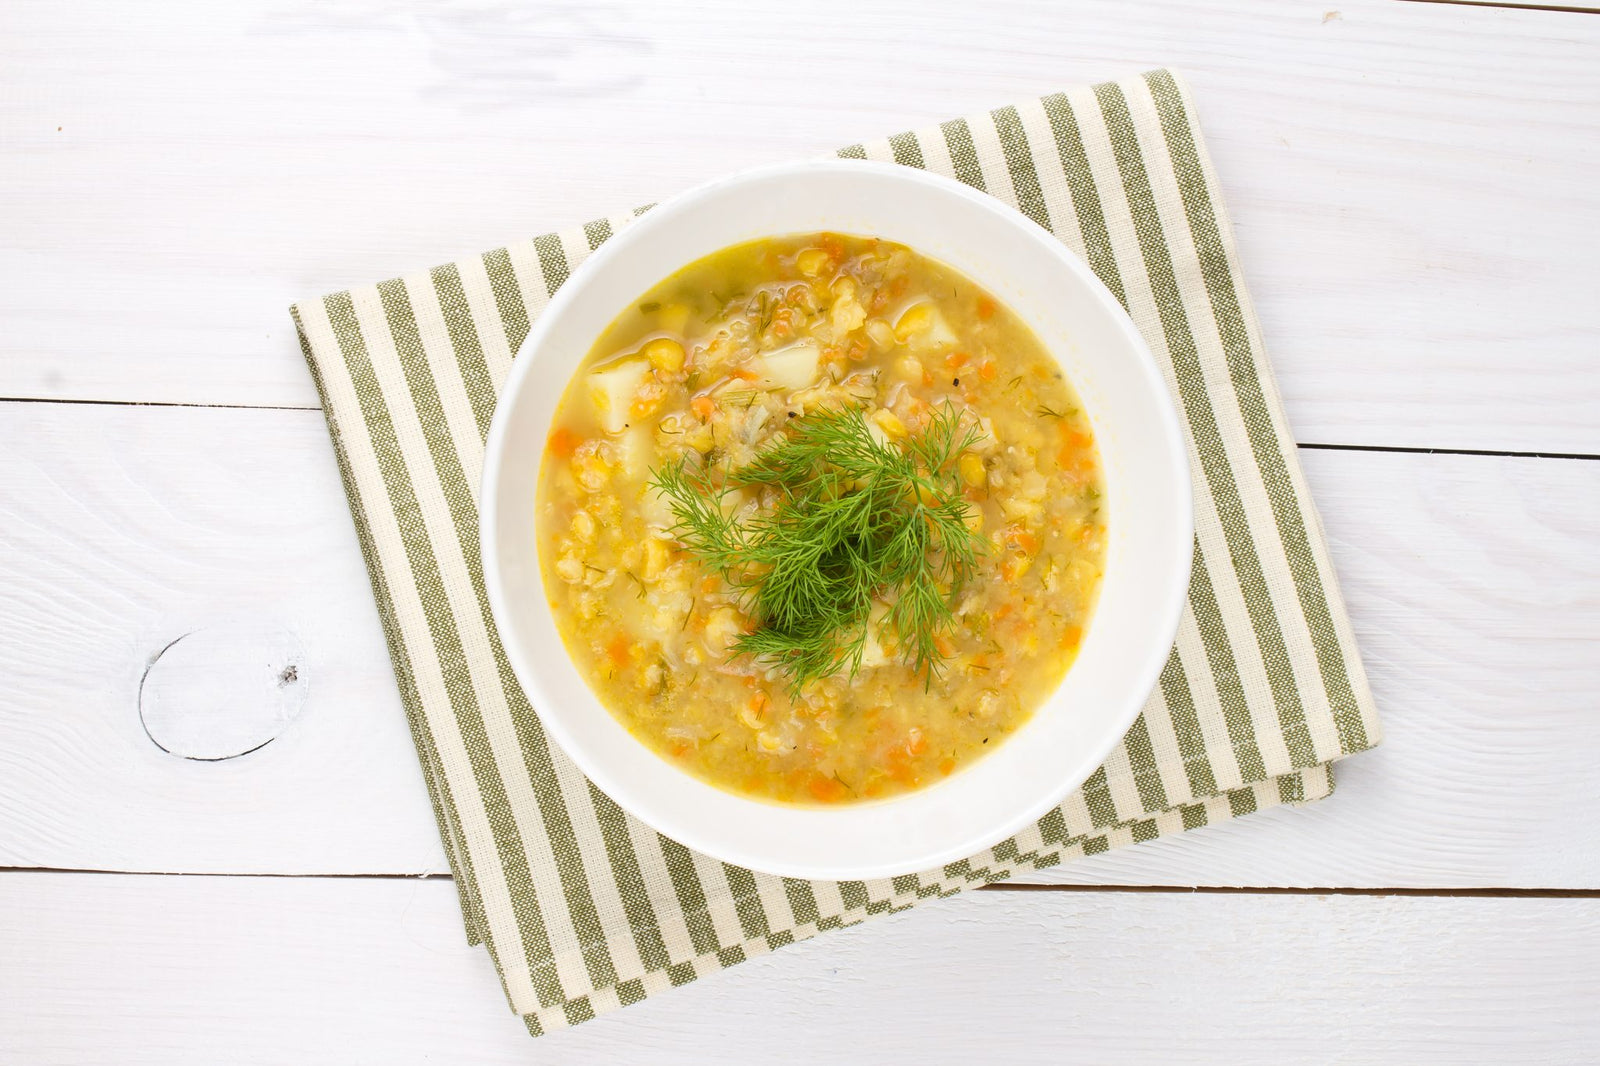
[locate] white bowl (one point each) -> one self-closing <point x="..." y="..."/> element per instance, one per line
<point x="1149" y="520"/>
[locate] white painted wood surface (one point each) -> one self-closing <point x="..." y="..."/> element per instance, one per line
<point x="1412" y="188"/>
<point x="1406" y="178"/>
<point x="126" y="528"/>
<point x="356" y="970"/>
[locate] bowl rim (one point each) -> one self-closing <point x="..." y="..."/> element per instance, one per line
<point x="1146" y="674"/>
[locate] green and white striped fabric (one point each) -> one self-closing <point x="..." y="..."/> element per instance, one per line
<point x="583" y="908"/>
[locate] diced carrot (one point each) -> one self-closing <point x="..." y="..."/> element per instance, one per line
<point x="679" y="748"/>
<point x="1003" y="610"/>
<point x="1074" y="447"/>
<point x="1071" y="636"/>
<point x="702" y="406"/>
<point x="744" y="373"/>
<point x="1022" y="540"/>
<point x="986" y="308"/>
<point x="563" y="442"/>
<point x="708" y="585"/>
<point x="832" y="245"/>
<point x="826" y="789"/>
<point x="986" y="370"/>
<point x="956" y="360"/>
<point x="927" y="379"/>
<point x="946" y="765"/>
<point x="619" y="650"/>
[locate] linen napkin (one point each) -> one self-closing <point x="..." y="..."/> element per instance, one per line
<point x="585" y="909"/>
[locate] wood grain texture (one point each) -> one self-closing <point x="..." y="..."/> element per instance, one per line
<point x="1472" y="583"/>
<point x="202" y="970"/>
<point x="1412" y="184"/>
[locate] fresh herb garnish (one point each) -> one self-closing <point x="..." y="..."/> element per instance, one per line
<point x="854" y="520"/>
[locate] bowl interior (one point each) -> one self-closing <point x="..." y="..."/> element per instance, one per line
<point x="1149" y="521"/>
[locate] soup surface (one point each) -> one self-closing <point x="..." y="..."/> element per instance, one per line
<point x="822" y="339"/>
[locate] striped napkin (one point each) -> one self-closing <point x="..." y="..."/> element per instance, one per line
<point x="585" y="909"/>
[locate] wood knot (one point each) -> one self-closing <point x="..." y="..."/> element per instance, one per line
<point x="223" y="691"/>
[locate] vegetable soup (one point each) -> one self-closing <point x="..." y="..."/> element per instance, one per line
<point x="820" y="520"/>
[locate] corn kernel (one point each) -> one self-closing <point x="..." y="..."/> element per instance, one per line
<point x="665" y="354"/>
<point x="811" y="261"/>
<point x="656" y="557"/>
<point x="768" y="741"/>
<point x="972" y="471"/>
<point x="889" y="422"/>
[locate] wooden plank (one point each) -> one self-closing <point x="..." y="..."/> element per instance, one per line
<point x="1472" y="582"/>
<point x="177" y="970"/>
<point x="125" y="529"/>
<point x="1408" y="180"/>
<point x="1523" y="5"/>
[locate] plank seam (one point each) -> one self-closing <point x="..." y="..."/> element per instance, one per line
<point x="998" y="886"/>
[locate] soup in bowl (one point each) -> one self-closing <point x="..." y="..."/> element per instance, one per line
<point x="836" y="520"/>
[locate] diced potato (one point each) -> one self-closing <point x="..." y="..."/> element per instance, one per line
<point x="611" y="389"/>
<point x="873" y="653"/>
<point x="634" y="450"/>
<point x="793" y="367"/>
<point x="665" y="354"/>
<point x="909" y="368"/>
<point x="674" y="317"/>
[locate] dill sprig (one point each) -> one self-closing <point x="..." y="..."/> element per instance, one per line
<point x="852" y="519"/>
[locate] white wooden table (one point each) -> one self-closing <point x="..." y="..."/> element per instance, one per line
<point x="1417" y="209"/>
